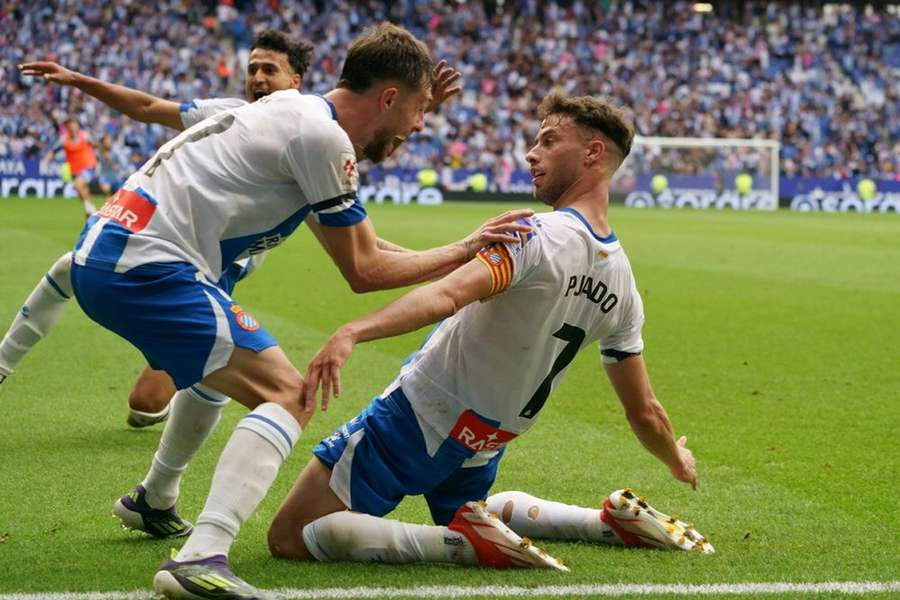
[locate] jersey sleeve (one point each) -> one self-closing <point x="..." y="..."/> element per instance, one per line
<point x="196" y="110"/>
<point x="626" y="339"/>
<point x="323" y="163"/>
<point x="510" y="263"/>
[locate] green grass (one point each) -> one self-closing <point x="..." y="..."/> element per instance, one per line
<point x="770" y="338"/>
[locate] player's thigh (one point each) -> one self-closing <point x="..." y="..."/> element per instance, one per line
<point x="191" y="329"/>
<point x="81" y="185"/>
<point x="152" y="391"/>
<point x="311" y="497"/>
<point x="253" y="378"/>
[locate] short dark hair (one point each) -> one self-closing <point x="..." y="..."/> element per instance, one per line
<point x="598" y="114"/>
<point x="386" y="52"/>
<point x="299" y="53"/>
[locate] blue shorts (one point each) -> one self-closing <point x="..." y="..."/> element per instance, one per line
<point x="88" y="175"/>
<point x="181" y="323"/>
<point x="379" y="456"/>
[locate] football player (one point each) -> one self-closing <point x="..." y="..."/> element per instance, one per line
<point x="275" y="63"/>
<point x="509" y="324"/>
<point x="146" y="267"/>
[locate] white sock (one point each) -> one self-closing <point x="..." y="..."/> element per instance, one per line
<point x="359" y="537"/>
<point x="89" y="207"/>
<point x="38" y="315"/>
<point x="538" y="518"/>
<point x="195" y="413"/>
<point x="249" y="463"/>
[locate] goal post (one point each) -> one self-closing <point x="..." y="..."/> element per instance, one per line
<point x="700" y="173"/>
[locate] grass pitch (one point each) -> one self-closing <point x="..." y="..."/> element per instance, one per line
<point x="771" y="338"/>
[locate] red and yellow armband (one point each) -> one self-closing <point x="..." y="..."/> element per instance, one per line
<point x="498" y="261"/>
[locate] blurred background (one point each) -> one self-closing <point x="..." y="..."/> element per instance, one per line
<point x="819" y="80"/>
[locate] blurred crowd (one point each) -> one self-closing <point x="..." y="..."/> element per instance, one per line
<point x="824" y="81"/>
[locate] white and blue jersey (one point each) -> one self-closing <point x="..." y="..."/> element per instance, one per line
<point x="233" y="185"/>
<point x="156" y="262"/>
<point x="483" y="375"/>
<point x="199" y="109"/>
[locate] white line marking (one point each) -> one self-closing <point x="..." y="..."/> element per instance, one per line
<point x="611" y="590"/>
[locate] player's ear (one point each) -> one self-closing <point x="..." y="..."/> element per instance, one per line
<point x="596" y="148"/>
<point x="388" y="97"/>
<point x="296" y="81"/>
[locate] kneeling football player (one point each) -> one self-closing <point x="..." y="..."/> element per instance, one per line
<point x="509" y="324"/>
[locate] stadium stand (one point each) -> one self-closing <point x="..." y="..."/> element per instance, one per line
<point x="823" y="79"/>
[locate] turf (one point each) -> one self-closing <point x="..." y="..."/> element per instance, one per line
<point x="770" y="338"/>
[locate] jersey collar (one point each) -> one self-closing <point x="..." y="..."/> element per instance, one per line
<point x="606" y="240"/>
<point x="330" y="106"/>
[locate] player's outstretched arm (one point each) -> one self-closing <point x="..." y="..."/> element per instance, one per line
<point x="366" y="267"/>
<point x="416" y="309"/>
<point x="138" y="105"/>
<point x="648" y="419"/>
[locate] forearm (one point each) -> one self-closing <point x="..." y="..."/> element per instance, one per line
<point x="420" y="307"/>
<point x="386" y="269"/>
<point x="135" y="104"/>
<point x="391" y="246"/>
<point x="654" y="430"/>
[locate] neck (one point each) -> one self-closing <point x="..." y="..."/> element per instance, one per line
<point x="590" y="197"/>
<point x="353" y="117"/>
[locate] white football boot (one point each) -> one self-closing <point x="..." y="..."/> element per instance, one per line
<point x="496" y="545"/>
<point x="637" y="523"/>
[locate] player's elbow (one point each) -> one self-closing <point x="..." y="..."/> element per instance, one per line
<point x="361" y="283"/>
<point x="646" y="417"/>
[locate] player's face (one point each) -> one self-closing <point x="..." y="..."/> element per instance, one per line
<point x="556" y="158"/>
<point x="73" y="128"/>
<point x="405" y="116"/>
<point x="268" y="71"/>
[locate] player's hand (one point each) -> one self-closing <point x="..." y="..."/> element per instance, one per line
<point x="49" y="71"/>
<point x="446" y="85"/>
<point x="502" y="228"/>
<point x="325" y="370"/>
<point x="686" y="470"/>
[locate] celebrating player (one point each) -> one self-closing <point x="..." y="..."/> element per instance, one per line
<point x="482" y="377"/>
<point x="237" y="184"/>
<point x="81" y="160"/>
<point x="275" y="63"/>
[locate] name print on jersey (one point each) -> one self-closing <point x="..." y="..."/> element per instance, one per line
<point x="584" y="286"/>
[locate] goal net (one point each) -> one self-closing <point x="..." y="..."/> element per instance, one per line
<point x="700" y="173"/>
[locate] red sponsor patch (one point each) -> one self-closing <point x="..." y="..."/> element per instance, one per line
<point x="129" y="209"/>
<point x="476" y="435"/>
<point x="244" y="319"/>
<point x="349" y="168"/>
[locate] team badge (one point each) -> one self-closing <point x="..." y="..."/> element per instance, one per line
<point x="244" y="319"/>
<point x="349" y="168"/>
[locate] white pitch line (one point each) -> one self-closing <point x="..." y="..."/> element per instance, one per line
<point x="570" y="591"/>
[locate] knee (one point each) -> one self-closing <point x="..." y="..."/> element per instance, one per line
<point x="151" y="393"/>
<point x="285" y="388"/>
<point x="60" y="273"/>
<point x="286" y="541"/>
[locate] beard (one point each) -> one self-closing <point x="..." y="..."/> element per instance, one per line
<point x="548" y="194"/>
<point x="382" y="146"/>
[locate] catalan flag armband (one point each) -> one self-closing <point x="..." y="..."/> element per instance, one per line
<point x="496" y="258"/>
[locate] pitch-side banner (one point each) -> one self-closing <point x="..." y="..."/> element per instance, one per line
<point x="30" y="178"/>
